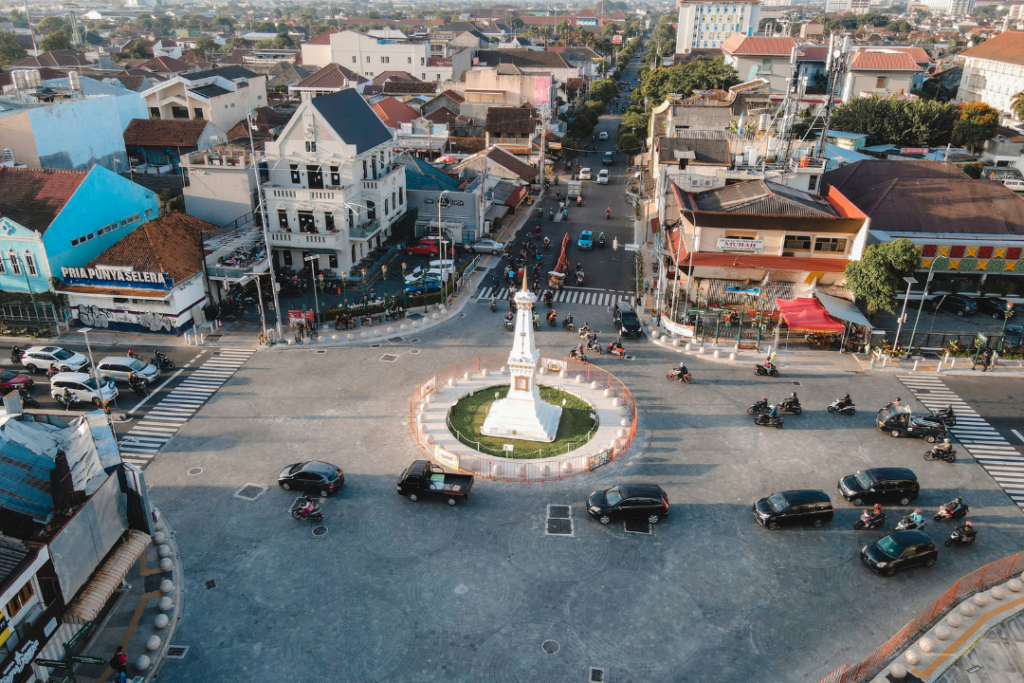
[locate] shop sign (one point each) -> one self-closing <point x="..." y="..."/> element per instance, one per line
<point x="16" y="668"/>
<point x="445" y="201"/>
<point x="5" y="626"/>
<point x="116" y="277"/>
<point x="913" y="150"/>
<point x="732" y="244"/>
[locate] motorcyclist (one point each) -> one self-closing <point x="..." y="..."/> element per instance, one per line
<point x="772" y="411"/>
<point x="509" y="317"/>
<point x="967" y="531"/>
<point x="547" y="242"/>
<point x="585" y="330"/>
<point x="307" y="507"/>
<point x="536" y="319"/>
<point x="617" y="345"/>
<point x="875" y="515"/>
<point x="568" y="320"/>
<point x="681" y="371"/>
<point x="793" y="400"/>
<point x="945" y="448"/>
<point x="68" y="397"/>
<point x="608" y="212"/>
<point x="916" y="518"/>
<point x="135" y="382"/>
<point x="552" y="316"/>
<point x="601" y="237"/>
<point x="846" y="401"/>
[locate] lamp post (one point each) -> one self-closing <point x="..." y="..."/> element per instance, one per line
<point x="920" y="306"/>
<point x="264" y="220"/>
<point x="344" y="291"/>
<point x="405" y="294"/>
<point x="259" y="298"/>
<point x="1007" y="314"/>
<point x="384" y="274"/>
<point x="366" y="302"/>
<point x="440" y="236"/>
<point x="903" y="314"/>
<point x="312" y="258"/>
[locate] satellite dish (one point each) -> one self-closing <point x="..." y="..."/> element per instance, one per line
<point x="836" y="54"/>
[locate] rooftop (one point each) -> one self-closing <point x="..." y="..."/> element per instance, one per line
<point x="164" y="132"/>
<point x="167" y="244"/>
<point x="671" y="150"/>
<point x="883" y="61"/>
<point x="352" y="119"/>
<point x="230" y="73"/>
<point x="739" y="44"/>
<point x="522" y="58"/>
<point x="394" y="112"/>
<point x="510" y="120"/>
<point x="419" y="175"/>
<point x="1007" y="47"/>
<point x="331" y="76"/>
<point x="33" y="197"/>
<point x="325" y="37"/>
<point x="763" y="198"/>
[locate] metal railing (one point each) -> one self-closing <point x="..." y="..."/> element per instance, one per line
<point x="520" y="454"/>
<point x="365" y="232"/>
<point x="524" y="471"/>
<point x="980" y="579"/>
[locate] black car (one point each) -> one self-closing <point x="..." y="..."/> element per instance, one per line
<point x="994" y="307"/>
<point x="880" y="484"/>
<point x="626" y="320"/>
<point x="899" y="550"/>
<point x="900" y="421"/>
<point x="952" y="303"/>
<point x="314" y="476"/>
<point x="794" y="507"/>
<point x="628" y="501"/>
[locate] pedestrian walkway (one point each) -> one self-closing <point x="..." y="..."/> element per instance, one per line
<point x="163" y="420"/>
<point x="567" y="295"/>
<point x="988" y="447"/>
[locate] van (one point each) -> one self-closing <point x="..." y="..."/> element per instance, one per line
<point x="608" y="159"/>
<point x="626" y="320"/>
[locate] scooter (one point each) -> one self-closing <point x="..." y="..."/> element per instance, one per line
<point x="536" y="325"/>
<point x="549" y="298"/>
<point x="68" y="402"/>
<point x="758" y="408"/>
<point x="568" y="325"/>
<point x="577" y="353"/>
<point x="674" y="374"/>
<point x="906" y="524"/>
<point x="790" y="405"/>
<point x="946" y="417"/>
<point x="615" y="348"/>
<point x="509" y="325"/>
<point x="959" y="539"/>
<point x="583" y="332"/>
<point x="51" y="371"/>
<point x="952" y="510"/>
<point x="766" y="420"/>
<point x="494" y="305"/>
<point x="579" y="279"/>
<point x="314" y="516"/>
<point x="161" y="361"/>
<point x="593" y="344"/>
<point x="600" y="241"/>
<point x="552" y="318"/>
<point x="16" y="354"/>
<point x="936" y="454"/>
<point x="26" y="398"/>
<point x="869" y="521"/>
<point x="847" y="410"/>
<point x="760" y="370"/>
<point x="579" y="200"/>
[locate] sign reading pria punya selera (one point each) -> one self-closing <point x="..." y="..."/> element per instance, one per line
<point x="117" y="277"/>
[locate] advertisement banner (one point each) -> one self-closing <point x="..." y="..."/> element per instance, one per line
<point x="446" y="458"/>
<point x="732" y="244"/>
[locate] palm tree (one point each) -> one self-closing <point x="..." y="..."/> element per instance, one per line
<point x="1017" y="105"/>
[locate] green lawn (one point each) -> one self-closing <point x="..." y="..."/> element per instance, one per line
<point x="467" y="417"/>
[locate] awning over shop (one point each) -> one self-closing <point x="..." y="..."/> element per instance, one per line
<point x="516" y="198"/>
<point x="807" y="315"/>
<point x="108" y="576"/>
<point x="495" y="211"/>
<point x="843" y="309"/>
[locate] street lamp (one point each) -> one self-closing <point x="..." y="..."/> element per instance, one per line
<point x="920" y="306"/>
<point x="405" y="294"/>
<point x="344" y="291"/>
<point x="312" y="259"/>
<point x="1007" y="314"/>
<point x="366" y="302"/>
<point x="903" y="314"/>
<point x="259" y="298"/>
<point x="384" y="274"/>
<point x="440" y="236"/>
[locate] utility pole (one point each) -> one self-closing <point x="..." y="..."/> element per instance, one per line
<point x="264" y="219"/>
<point x="543" y="150"/>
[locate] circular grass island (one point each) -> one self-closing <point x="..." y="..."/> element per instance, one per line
<point x="575" y="428"/>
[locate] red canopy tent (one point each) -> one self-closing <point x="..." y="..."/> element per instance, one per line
<point x="808" y="316"/>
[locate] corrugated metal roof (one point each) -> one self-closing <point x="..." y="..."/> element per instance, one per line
<point x="12" y="553"/>
<point x="763" y="198"/>
<point x="25" y="481"/>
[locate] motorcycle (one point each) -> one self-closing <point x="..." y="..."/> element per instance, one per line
<point x="946" y="417"/>
<point x="960" y="539"/>
<point x="161" y="361"/>
<point x="16" y="354"/>
<point x="26" y="398"/>
<point x="758" y="408"/>
<point x="548" y="298"/>
<point x="760" y="370"/>
<point x="138" y="387"/>
<point x="494" y="305"/>
<point x="600" y="241"/>
<point x="551" y="214"/>
<point x="906" y="524"/>
<point x="552" y="318"/>
<point x="790" y="405"/>
<point x="608" y="214"/>
<point x="568" y="325"/>
<point x="579" y="279"/>
<point x="68" y="402"/>
<point x="584" y="332"/>
<point x="132" y="354"/>
<point x="869" y="521"/>
<point x="936" y="454"/>
<point x="615" y="348"/>
<point x="577" y="353"/>
<point x="579" y="200"/>
<point x="847" y="410"/>
<point x="313" y="516"/>
<point x="593" y="344"/>
<point x="766" y="420"/>
<point x="952" y="510"/>
<point x="51" y="371"/>
<point x="536" y="325"/>
<point x="675" y="374"/>
<point x="509" y="325"/>
<point x="547" y="243"/>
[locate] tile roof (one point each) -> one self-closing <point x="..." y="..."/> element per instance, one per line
<point x="883" y="61"/>
<point x="453" y="96"/>
<point x="441" y="115"/>
<point x="12" y="553"/>
<point x="34" y="197"/>
<point x="917" y="54"/>
<point x="325" y="37"/>
<point x="227" y="72"/>
<point x="352" y="119"/>
<point x="812" y="53"/>
<point x="405" y="87"/>
<point x="164" y="132"/>
<point x="166" y="244"/>
<point x="503" y="158"/>
<point x="235" y="56"/>
<point x="522" y="58"/>
<point x="510" y="120"/>
<point x="331" y="76"/>
<point x="739" y="44"/>
<point x="928" y="197"/>
<point x="394" y="112"/>
<point x="134" y="83"/>
<point x="1006" y="47"/>
<point x="53" y="58"/>
<point x="266" y="120"/>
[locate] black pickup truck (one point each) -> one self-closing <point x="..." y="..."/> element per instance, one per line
<point x="423" y="478"/>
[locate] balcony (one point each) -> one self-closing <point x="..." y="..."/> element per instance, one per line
<point x="374" y="183"/>
<point x="366" y="231"/>
<point x="301" y="194"/>
<point x="307" y="241"/>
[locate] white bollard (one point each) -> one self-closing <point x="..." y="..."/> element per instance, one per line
<point x="202" y="338"/>
<point x="946" y="358"/>
<point x="952" y="362"/>
<point x="939" y="369"/>
<point x="915" y="365"/>
<point x="885" y="359"/>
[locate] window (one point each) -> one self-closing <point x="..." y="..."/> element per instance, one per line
<point x="15" y="265"/>
<point x="332" y="260"/>
<point x="198" y="113"/>
<point x="354" y="60"/>
<point x="295" y="173"/>
<point x="85" y="238"/>
<point x="423" y="61"/>
<point x="149" y="212"/>
<point x="385" y="60"/>
<point x="367" y="59"/>
<point x="30" y="264"/>
<point x="371" y="211"/>
<point x="154" y="112"/>
<point x="401" y="195"/>
<point x="423" y="76"/>
<point x="329" y="221"/>
<point x="393" y="202"/>
<point x="131" y="219"/>
<point x="20" y="600"/>
<point x="335" y="176"/>
<point x="880" y="83"/>
<point x="3" y="267"/>
<point x="387" y="210"/>
<point x="113" y="226"/>
<point x="351" y="218"/>
<point x="797" y="243"/>
<point x="282" y="219"/>
<point x="364" y="169"/>
<point x="310" y="146"/>
<point x="314" y="177"/>
<point x="408" y="60"/>
<point x="834" y="245"/>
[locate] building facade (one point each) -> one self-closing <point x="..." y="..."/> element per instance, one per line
<point x="369" y="56"/>
<point x="994" y="72"/>
<point x="222" y="96"/>
<point x="220" y="185"/>
<point x="705" y="24"/>
<point x="768" y="58"/>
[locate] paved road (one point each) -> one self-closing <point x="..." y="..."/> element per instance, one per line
<point x="401" y="591"/>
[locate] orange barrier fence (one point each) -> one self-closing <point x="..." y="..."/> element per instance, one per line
<point x="525" y="471"/>
<point x="980" y="579"/>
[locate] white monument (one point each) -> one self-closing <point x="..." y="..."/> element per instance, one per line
<point x="523" y="414"/>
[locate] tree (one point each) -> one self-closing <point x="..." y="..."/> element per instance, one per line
<point x="976" y="126"/>
<point x="10" y="50"/>
<point x="887" y="120"/>
<point x="1017" y="105"/>
<point x="698" y="74"/>
<point x="266" y="27"/>
<point x="51" y="24"/>
<point x="633" y="122"/>
<point x="515" y="23"/>
<point x="58" y="40"/>
<point x="282" y="41"/>
<point x="206" y="45"/>
<point x="137" y="51"/>
<point x="879" y="274"/>
<point x="629" y="144"/>
<point x="604" y="90"/>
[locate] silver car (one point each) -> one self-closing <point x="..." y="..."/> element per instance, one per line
<point x="118" y="368"/>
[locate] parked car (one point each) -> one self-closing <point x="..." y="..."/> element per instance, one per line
<point x="424" y="248"/>
<point x="879" y="485"/>
<point x="626" y="320"/>
<point x="84" y="387"/>
<point x="899" y="550"/>
<point x="11" y="380"/>
<point x="628" y="501"/>
<point x="38" y="358"/>
<point x="313" y="476"/>
<point x="586" y="174"/>
<point x="960" y="305"/>
<point x="794" y="507"/>
<point x="423" y="287"/>
<point x="418" y="273"/>
<point x="608" y="159"/>
<point x="994" y="306"/>
<point x="486" y="247"/>
<point x="118" y="368"/>
<point x="439" y="274"/>
<point x="586" y="240"/>
<point x="602" y="177"/>
<point x="900" y="421"/>
<point x="603" y="135"/>
<point x="423" y="478"/>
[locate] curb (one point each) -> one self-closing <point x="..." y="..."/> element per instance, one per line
<point x="178" y="576"/>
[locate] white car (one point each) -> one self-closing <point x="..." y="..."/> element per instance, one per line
<point x="118" y="368"/>
<point x="37" y="358"/>
<point x="487" y="247"/>
<point x="602" y="177"/>
<point x="83" y="386"/>
<point x="585" y="174"/>
<point x="437" y="274"/>
<point x="416" y="274"/>
<point x="603" y="135"/>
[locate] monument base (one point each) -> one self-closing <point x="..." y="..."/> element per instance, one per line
<point x="508" y="419"/>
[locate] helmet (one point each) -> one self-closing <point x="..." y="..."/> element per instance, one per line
<point x="878" y="506"/>
<point x="958" y="500"/>
<point x="793" y="395"/>
<point x="967" y="523"/>
<point x="917" y="511"/>
<point x="945" y="441"/>
<point x="764" y="398"/>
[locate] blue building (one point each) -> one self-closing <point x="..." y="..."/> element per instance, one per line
<point x="54" y="219"/>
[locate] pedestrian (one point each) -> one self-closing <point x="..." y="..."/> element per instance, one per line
<point x="986" y="359"/>
<point x="119" y="662"/>
<point x="372" y="294"/>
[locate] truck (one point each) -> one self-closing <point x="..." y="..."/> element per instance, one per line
<point x="423" y="478"/>
<point x="574" y="189"/>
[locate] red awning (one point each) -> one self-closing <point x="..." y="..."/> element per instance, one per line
<point x="807" y="315"/>
<point x="516" y="198"/>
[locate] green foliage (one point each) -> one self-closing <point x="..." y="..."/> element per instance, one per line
<point x="698" y="74"/>
<point x="629" y="144"/>
<point x="633" y="122"/>
<point x="604" y="90"/>
<point x="266" y="27"/>
<point x="58" y="40"/>
<point x="973" y="170"/>
<point x="887" y="120"/>
<point x="137" y="51"/>
<point x="851" y="23"/>
<point x="933" y="89"/>
<point x="51" y="24"/>
<point x="879" y="274"/>
<point x="595" y="106"/>
<point x="282" y="41"/>
<point x="976" y="125"/>
<point x="207" y="45"/>
<point x="10" y="50"/>
<point x="515" y="23"/>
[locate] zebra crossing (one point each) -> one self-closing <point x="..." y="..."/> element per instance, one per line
<point x="164" y="419"/>
<point x="986" y="445"/>
<point x="566" y="295"/>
